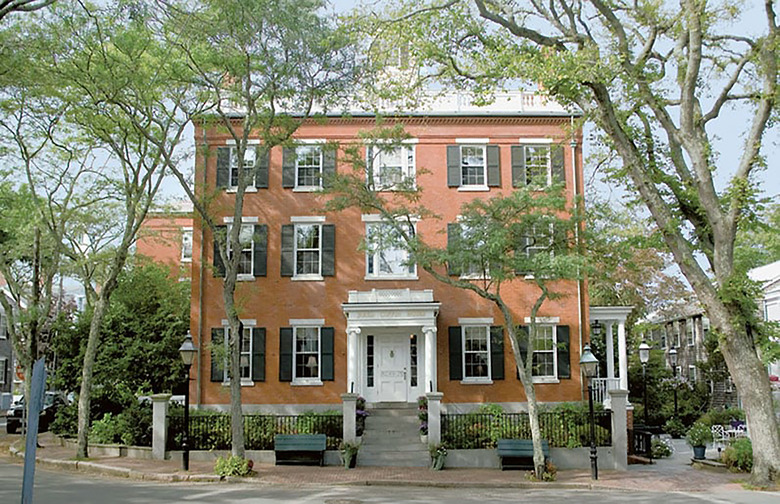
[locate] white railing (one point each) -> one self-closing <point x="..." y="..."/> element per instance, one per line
<point x="601" y="388"/>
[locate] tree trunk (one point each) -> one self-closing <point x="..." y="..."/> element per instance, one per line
<point x="234" y="369"/>
<point x="536" y="431"/>
<point x="86" y="375"/>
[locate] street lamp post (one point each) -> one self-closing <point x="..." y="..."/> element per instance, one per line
<point x="673" y="361"/>
<point x="589" y="365"/>
<point x="644" y="357"/>
<point x="187" y="351"/>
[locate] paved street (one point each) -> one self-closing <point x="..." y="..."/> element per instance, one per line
<point x="60" y="488"/>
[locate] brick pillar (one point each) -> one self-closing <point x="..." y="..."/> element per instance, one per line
<point x="619" y="428"/>
<point x="349" y="405"/>
<point x="434" y="417"/>
<point x="159" y="425"/>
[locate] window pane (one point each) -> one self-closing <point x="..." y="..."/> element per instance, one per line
<point x="475" y="352"/>
<point x="307" y="346"/>
<point x="537" y="163"/>
<point x="307" y="257"/>
<point x="472" y="160"/>
<point x="309" y="165"/>
<point x="386" y="255"/>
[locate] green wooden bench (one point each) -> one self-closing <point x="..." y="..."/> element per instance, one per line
<point x="519" y="453"/>
<point x="300" y="449"/>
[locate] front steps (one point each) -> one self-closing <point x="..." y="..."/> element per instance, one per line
<point x="392" y="437"/>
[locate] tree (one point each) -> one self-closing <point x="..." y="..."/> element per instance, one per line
<point x="9" y="6"/>
<point x="488" y="251"/>
<point x="264" y="67"/>
<point x="653" y="78"/>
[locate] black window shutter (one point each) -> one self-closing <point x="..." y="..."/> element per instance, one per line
<point x="258" y="354"/>
<point x="522" y="342"/>
<point x="261" y="167"/>
<point x="453" y="243"/>
<point x="562" y="346"/>
<point x="518" y="166"/>
<point x="217" y="364"/>
<point x="453" y="166"/>
<point x="328" y="165"/>
<point x="370" y="166"/>
<point x="260" y="244"/>
<point x="223" y="166"/>
<point x="556" y="161"/>
<point x="328" y="250"/>
<point x="219" y="266"/>
<point x="493" y="166"/>
<point x="288" y="250"/>
<point x="456" y="350"/>
<point x="285" y="354"/>
<point x="288" y="167"/>
<point x="326" y="352"/>
<point x="496" y="352"/>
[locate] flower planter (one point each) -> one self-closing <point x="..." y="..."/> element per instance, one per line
<point x="698" y="452"/>
<point x="424" y="439"/>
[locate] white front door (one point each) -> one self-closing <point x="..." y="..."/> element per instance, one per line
<point x="392" y="368"/>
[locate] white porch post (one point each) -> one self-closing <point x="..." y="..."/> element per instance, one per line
<point x="434" y="417"/>
<point x="430" y="359"/>
<point x="622" y="355"/>
<point x="610" y="350"/>
<point x="352" y="356"/>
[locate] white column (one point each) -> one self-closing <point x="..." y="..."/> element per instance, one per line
<point x="434" y="417"/>
<point x="349" y="404"/>
<point x="352" y="358"/>
<point x="610" y="350"/>
<point x="159" y="425"/>
<point x="622" y="355"/>
<point x="619" y="400"/>
<point x="430" y="384"/>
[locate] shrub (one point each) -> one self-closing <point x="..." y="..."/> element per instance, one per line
<point x="660" y="449"/>
<point x="699" y="435"/>
<point x="105" y="430"/>
<point x="674" y="427"/>
<point x="67" y="421"/>
<point x="738" y="456"/>
<point x="722" y="417"/>
<point x="232" y="466"/>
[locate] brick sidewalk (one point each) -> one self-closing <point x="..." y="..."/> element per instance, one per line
<point x="673" y="477"/>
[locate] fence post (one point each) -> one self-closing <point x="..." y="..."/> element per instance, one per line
<point x="620" y="428"/>
<point x="434" y="417"/>
<point x="349" y="404"/>
<point x="159" y="425"/>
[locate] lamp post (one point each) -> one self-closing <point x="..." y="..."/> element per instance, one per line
<point x="589" y="365"/>
<point x="187" y="351"/>
<point x="673" y="361"/>
<point x="644" y="357"/>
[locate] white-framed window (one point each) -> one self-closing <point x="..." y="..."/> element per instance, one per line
<point x="692" y="372"/>
<point x="307" y="357"/>
<point x="3" y="370"/>
<point x="250" y="155"/>
<point x="246" y="240"/>
<point x="663" y="338"/>
<point x="473" y="166"/>
<point x="308" y="166"/>
<point x="308" y="249"/>
<point x="677" y="334"/>
<point x="545" y="359"/>
<point x="245" y="356"/>
<point x="475" y="267"/>
<point x="385" y="257"/>
<point x="3" y="327"/>
<point x="541" y="239"/>
<point x="186" y="244"/>
<point x="690" y="327"/>
<point x="538" y="165"/>
<point x="392" y="167"/>
<point x="476" y="353"/>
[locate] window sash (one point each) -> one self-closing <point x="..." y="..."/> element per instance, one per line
<point x="308" y="249"/>
<point x="391" y="168"/>
<point x="306" y="354"/>
<point x="545" y="358"/>
<point x="245" y="354"/>
<point x="689" y="330"/>
<point x="246" y="239"/>
<point x="249" y="162"/>
<point x="538" y="164"/>
<point x="386" y="259"/>
<point x="473" y="165"/>
<point x="476" y="352"/>
<point x="186" y="245"/>
<point x="308" y="166"/>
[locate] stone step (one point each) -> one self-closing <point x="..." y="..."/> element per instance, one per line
<point x="393" y="413"/>
<point x="394" y="406"/>
<point x="394" y="458"/>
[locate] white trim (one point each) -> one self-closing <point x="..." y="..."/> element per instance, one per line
<point x="472" y="140"/>
<point x="374" y="218"/>
<point x="244" y="220"/>
<point x="475" y="321"/>
<point x="310" y="141"/>
<point x="374" y="278"/>
<point x="543" y="320"/>
<point x="545" y="379"/>
<point x="473" y="188"/>
<point x="307" y="189"/>
<point x="245" y="277"/>
<point x="307" y="322"/>
<point x="250" y="141"/>
<point x="234" y="189"/>
<point x="307" y="278"/>
<point x="379" y="141"/>
<point x="307" y="219"/>
<point x="247" y="322"/>
<point x="476" y="381"/>
<point x="306" y="382"/>
<point x="532" y="141"/>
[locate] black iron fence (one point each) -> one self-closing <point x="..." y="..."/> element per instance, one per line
<point x="640" y="442"/>
<point x="560" y="429"/>
<point x="213" y="431"/>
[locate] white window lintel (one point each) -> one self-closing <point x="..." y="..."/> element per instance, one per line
<point x="251" y="141"/>
<point x="307" y="219"/>
<point x="244" y="220"/>
<point x="543" y="320"/>
<point x="306" y="322"/>
<point x="475" y="321"/>
<point x="531" y="141"/>
<point x="475" y="141"/>
<point x="246" y="322"/>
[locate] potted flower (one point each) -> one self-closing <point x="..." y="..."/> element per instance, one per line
<point x="698" y="437"/>
<point x="438" y="456"/>
<point x="422" y="414"/>
<point x="349" y="453"/>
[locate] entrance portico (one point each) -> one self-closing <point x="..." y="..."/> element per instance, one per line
<point x="391" y="344"/>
